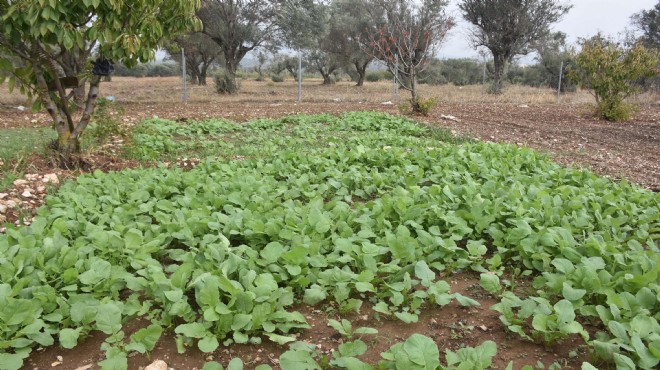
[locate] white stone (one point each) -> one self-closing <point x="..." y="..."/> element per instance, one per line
<point x="3" y="208"/>
<point x="3" y="195"/>
<point x="157" y="365"/>
<point x="20" y="182"/>
<point x="26" y="194"/>
<point x="51" y="177"/>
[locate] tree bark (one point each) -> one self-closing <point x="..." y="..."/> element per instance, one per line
<point x="361" y="69"/>
<point x="202" y="74"/>
<point x="499" y="61"/>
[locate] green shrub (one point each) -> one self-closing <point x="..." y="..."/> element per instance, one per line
<point x="105" y="123"/>
<point x="374" y="76"/>
<point x="420" y="106"/>
<point x="162" y="70"/>
<point x="225" y="83"/>
<point x="611" y="71"/>
<point x="277" y="77"/>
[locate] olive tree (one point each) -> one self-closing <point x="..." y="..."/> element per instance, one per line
<point x="199" y="51"/>
<point x="238" y="27"/>
<point x="648" y="22"/>
<point x="509" y="28"/>
<point x="36" y="31"/>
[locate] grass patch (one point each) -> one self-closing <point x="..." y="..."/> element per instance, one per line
<point x="17" y="145"/>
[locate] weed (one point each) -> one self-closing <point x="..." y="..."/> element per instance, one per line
<point x="106" y="123"/>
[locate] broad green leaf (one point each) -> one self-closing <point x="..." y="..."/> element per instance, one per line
<point x="624" y="362"/>
<point x="490" y="283"/>
<point x="68" y="337"/>
<point x="407" y="317"/>
<point x="353" y="349"/>
<point x="108" y="318"/>
<point x="298" y="360"/>
<point x="422" y="351"/>
<point x="423" y="272"/>
<point x="11" y="361"/>
<point x="235" y="364"/>
<point x="280" y="339"/>
<point x="572" y="294"/>
<point x="191" y="330"/>
<point x="212" y="365"/>
<point x="465" y="301"/>
<point x="314" y="295"/>
<point x="208" y="344"/>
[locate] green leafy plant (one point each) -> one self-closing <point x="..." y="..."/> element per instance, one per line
<point x="610" y="72"/>
<point x="420" y="106"/>
<point x="106" y="123"/>
<point x="361" y="207"/>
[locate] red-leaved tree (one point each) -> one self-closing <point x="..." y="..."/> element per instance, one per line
<point x="408" y="36"/>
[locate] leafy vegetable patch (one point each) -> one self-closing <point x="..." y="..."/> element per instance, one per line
<point x="375" y="212"/>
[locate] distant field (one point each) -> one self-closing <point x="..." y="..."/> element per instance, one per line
<point x="168" y="89"/>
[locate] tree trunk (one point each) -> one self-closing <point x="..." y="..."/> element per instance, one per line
<point x="327" y="79"/>
<point x="361" y="72"/>
<point x="232" y="67"/>
<point x="498" y="75"/>
<point x="68" y="140"/>
<point x="67" y="149"/>
<point x="202" y="75"/>
<point x="79" y="94"/>
<point x="413" y="92"/>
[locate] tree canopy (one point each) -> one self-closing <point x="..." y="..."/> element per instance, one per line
<point x="648" y="21"/>
<point x="510" y="27"/>
<point x="409" y="37"/>
<point x="37" y="31"/>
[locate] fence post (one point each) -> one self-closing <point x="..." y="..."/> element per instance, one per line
<point x="299" y="77"/>
<point x="184" y="75"/>
<point x="483" y="80"/>
<point x="395" y="87"/>
<point x="561" y="73"/>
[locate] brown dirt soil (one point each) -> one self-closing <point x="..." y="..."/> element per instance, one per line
<point x="452" y="327"/>
<point x="522" y="116"/>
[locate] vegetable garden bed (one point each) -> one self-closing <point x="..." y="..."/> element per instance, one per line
<point x="362" y="214"/>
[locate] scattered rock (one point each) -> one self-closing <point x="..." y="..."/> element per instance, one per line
<point x="86" y="367"/>
<point x="26" y="194"/>
<point x="60" y="358"/>
<point x="50" y="177"/>
<point x="449" y="117"/>
<point x="55" y="364"/>
<point x="157" y="365"/>
<point x="3" y="195"/>
<point x="3" y="208"/>
<point x="20" y="182"/>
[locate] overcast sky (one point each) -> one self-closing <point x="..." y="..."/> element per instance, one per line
<point x="586" y="18"/>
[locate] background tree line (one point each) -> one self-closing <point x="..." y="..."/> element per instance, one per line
<point x="46" y="47"/>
